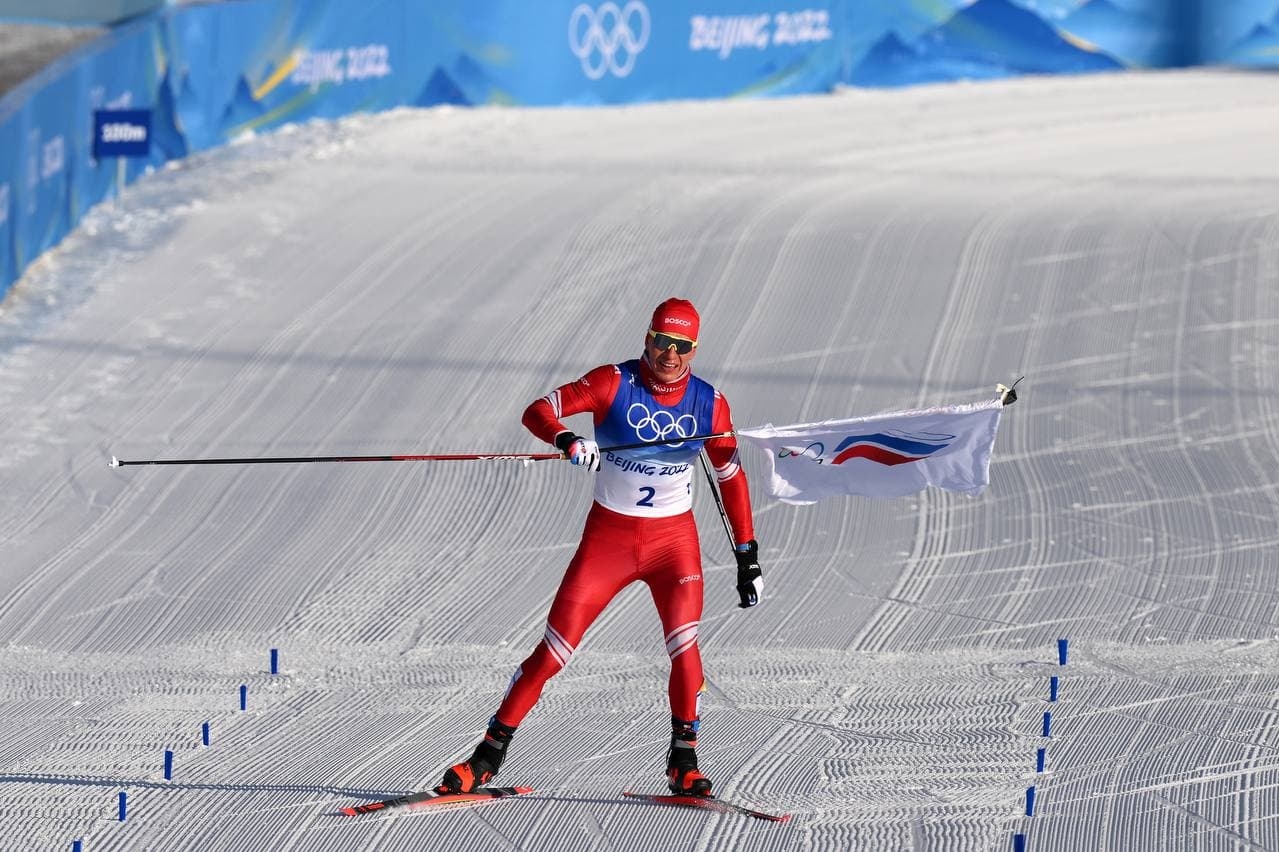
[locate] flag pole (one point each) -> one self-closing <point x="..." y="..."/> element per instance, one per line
<point x="667" y="442"/>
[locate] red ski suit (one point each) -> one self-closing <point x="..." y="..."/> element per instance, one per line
<point x="652" y="538"/>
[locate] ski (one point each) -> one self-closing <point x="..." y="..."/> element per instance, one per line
<point x="708" y="803"/>
<point x="434" y="798"/>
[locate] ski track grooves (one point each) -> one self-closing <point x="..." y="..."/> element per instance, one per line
<point x="409" y="282"/>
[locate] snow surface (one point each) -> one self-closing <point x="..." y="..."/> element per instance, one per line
<point x="408" y="282"/>
<point x="26" y="48"/>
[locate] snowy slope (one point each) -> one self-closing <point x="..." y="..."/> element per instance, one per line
<point x="407" y="283"/>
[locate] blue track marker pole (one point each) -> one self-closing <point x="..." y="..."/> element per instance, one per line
<point x="124" y="805"/>
<point x="1041" y="757"/>
<point x="1063" y="646"/>
<point x="275" y="661"/>
<point x="204" y="733"/>
<point x="168" y="765"/>
<point x="1030" y="801"/>
<point x="1054" y="685"/>
<point x="1048" y="724"/>
<point x="244" y="697"/>
<point x="1019" y="843"/>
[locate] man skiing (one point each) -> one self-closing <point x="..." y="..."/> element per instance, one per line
<point x="640" y="527"/>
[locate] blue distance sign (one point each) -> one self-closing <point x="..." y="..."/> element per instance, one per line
<point x="121" y="133"/>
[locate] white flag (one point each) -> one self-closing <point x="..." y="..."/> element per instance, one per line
<point x="886" y="455"/>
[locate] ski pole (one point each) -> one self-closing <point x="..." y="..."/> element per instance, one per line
<point x="115" y="462"/>
<point x="719" y="501"/>
<point x="525" y="457"/>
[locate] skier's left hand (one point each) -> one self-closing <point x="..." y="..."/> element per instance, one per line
<point x="750" y="579"/>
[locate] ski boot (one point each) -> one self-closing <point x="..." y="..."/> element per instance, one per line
<point x="483" y="764"/>
<point x="682" y="774"/>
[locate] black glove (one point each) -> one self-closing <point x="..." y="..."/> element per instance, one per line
<point x="750" y="580"/>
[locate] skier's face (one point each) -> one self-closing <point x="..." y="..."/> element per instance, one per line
<point x="664" y="355"/>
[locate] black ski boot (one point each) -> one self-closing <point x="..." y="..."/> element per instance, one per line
<point x="682" y="774"/>
<point x="483" y="764"/>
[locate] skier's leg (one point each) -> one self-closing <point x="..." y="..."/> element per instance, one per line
<point x="602" y="566"/>
<point x="674" y="578"/>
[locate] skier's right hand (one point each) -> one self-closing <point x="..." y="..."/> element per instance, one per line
<point x="580" y="451"/>
<point x="750" y="579"/>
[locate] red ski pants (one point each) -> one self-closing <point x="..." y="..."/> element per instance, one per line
<point x="615" y="551"/>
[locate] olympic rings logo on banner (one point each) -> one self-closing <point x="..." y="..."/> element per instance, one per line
<point x="660" y="425"/>
<point x="612" y="37"/>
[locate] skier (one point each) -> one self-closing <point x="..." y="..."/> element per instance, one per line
<point x="640" y="527"/>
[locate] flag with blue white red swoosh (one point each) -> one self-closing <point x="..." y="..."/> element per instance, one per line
<point x="885" y="455"/>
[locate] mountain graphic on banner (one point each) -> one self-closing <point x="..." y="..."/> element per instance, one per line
<point x="989" y="39"/>
<point x="441" y="89"/>
<point x="1135" y="40"/>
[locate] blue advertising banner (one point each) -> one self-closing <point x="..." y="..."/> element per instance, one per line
<point x="43" y="185"/>
<point x="210" y="72"/>
<point x="9" y="142"/>
<point x="620" y="52"/>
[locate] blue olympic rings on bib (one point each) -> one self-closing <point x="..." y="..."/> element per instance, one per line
<point x="660" y="425"/>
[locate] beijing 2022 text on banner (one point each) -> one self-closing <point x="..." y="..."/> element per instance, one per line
<point x="213" y="72"/>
